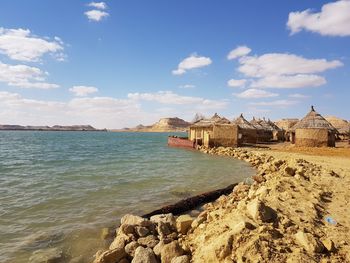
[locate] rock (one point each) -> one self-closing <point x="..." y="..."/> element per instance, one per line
<point x="144" y="255"/>
<point x="165" y="218"/>
<point x="148" y="241"/>
<point x="163" y="229"/>
<point x="328" y="244"/>
<point x="290" y="171"/>
<point x="158" y="248"/>
<point x="118" y="242"/>
<point x="126" y="229"/>
<point x="170" y="251"/>
<point x="134" y="220"/>
<point x="111" y="256"/>
<point x="124" y="260"/>
<point x="131" y="247"/>
<point x="141" y="231"/>
<point x="242" y="225"/>
<point x="308" y="242"/>
<point x="183" y="223"/>
<point x="49" y="255"/>
<point x="258" y="210"/>
<point x="197" y="222"/>
<point x="181" y="259"/>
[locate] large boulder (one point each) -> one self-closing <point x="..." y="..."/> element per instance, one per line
<point x="170" y="251"/>
<point x="111" y="256"/>
<point x="129" y="219"/>
<point x="259" y="211"/>
<point x="183" y="223"/>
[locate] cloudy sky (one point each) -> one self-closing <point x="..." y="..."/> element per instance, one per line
<point x="117" y="64"/>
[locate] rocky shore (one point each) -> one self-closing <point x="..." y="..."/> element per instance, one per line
<point x="282" y="216"/>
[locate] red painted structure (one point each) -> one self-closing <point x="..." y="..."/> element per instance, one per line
<point x="182" y="142"/>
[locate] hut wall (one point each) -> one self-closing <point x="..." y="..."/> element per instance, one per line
<point x="314" y="138"/>
<point x="264" y="135"/>
<point x="278" y="135"/>
<point x="192" y="134"/>
<point x="224" y="135"/>
<point x="248" y="136"/>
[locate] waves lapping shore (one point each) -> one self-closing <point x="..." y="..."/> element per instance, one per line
<point x="286" y="215"/>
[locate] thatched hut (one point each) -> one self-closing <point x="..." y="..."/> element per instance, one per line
<point x="342" y="126"/>
<point x="277" y="132"/>
<point x="216" y="131"/>
<point x="287" y="125"/>
<point x="314" y="131"/>
<point x="247" y="131"/>
<point x="264" y="131"/>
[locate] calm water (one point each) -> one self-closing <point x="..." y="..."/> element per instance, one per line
<point x="57" y="189"/>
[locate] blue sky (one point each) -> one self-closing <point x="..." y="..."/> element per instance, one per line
<point x="120" y="63"/>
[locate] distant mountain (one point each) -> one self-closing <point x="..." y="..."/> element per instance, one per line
<point x="163" y="125"/>
<point x="48" y="128"/>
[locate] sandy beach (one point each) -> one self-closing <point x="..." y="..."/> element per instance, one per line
<point x="296" y="210"/>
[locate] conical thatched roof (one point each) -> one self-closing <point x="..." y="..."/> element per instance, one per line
<point x="314" y="120"/>
<point x="243" y="123"/>
<point x="341" y="125"/>
<point x="265" y="125"/>
<point x="274" y="126"/>
<point x="216" y="119"/>
<point x="256" y="124"/>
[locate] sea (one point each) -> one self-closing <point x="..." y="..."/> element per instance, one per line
<point x="59" y="189"/>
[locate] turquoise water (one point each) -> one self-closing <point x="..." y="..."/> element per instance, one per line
<point x="57" y="189"/>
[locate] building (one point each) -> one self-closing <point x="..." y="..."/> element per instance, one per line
<point x="247" y="132"/>
<point x="264" y="131"/>
<point x="277" y="132"/>
<point x="216" y="131"/>
<point x="313" y="131"/>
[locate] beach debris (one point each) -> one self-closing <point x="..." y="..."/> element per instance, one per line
<point x="330" y="220"/>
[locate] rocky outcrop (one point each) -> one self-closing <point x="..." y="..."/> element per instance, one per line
<point x="48" y="128"/>
<point x="163" y="125"/>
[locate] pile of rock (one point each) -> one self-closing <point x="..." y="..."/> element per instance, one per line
<point x="155" y="240"/>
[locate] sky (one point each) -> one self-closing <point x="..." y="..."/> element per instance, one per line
<point x="116" y="64"/>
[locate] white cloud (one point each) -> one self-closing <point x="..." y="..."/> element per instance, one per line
<point x="23" y="76"/>
<point x="281" y="70"/>
<point x="283" y="64"/>
<point x="294" y="81"/>
<point x="238" y="52"/>
<point x="255" y="94"/>
<point x="191" y="62"/>
<point x="187" y="86"/>
<point x="280" y="103"/>
<point x="96" y="15"/>
<point x="333" y="20"/>
<point x="21" y="44"/>
<point x="170" y="98"/>
<point x="82" y="91"/>
<point x="298" y="96"/>
<point x="235" y="83"/>
<point x="98" y="5"/>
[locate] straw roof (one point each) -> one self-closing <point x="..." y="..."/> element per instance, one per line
<point x="274" y="126"/>
<point x="256" y="124"/>
<point x="341" y="125"/>
<point x="313" y="120"/>
<point x="216" y="119"/>
<point x="243" y="123"/>
<point x="265" y="124"/>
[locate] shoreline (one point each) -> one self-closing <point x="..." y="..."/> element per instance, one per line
<point x="252" y="213"/>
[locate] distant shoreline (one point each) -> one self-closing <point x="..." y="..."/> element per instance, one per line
<point x="8" y="127"/>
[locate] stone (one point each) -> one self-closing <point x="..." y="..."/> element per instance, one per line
<point x="111" y="256"/>
<point x="124" y="260"/>
<point x="131" y="247"/>
<point x="308" y="242"/>
<point x="165" y="218"/>
<point x="144" y="255"/>
<point x="134" y="220"/>
<point x="126" y="229"/>
<point x="158" y="248"/>
<point x="170" y="251"/>
<point x="49" y="255"/>
<point x="290" y="171"/>
<point x="141" y="231"/>
<point x="183" y="223"/>
<point x="241" y="226"/>
<point x="258" y="210"/>
<point x="163" y="229"/>
<point x="118" y="242"/>
<point x="181" y="259"/>
<point x="328" y="244"/>
<point x="148" y="241"/>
